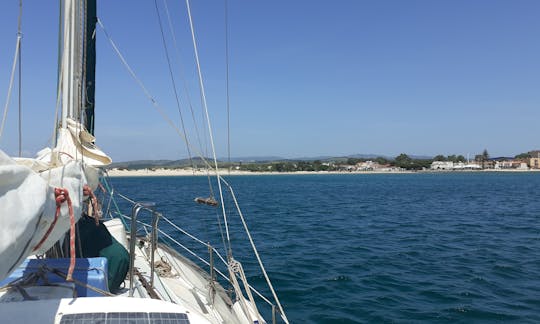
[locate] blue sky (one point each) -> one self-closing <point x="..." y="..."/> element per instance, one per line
<point x="307" y="78"/>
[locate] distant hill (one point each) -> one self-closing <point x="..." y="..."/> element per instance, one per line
<point x="145" y="164"/>
<point x="254" y="159"/>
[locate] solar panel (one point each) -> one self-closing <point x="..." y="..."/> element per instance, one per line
<point x="125" y="317"/>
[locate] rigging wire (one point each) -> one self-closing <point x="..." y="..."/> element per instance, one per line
<point x="79" y="35"/>
<point x="84" y="57"/>
<point x="203" y="101"/>
<point x="60" y="72"/>
<point x="10" y="88"/>
<point x="156" y="106"/>
<point x="173" y="82"/>
<point x="227" y="95"/>
<point x="19" y="32"/>
<point x="255" y="249"/>
<point x="227" y="84"/>
<point x="184" y="82"/>
<point x="205" y="107"/>
<point x="227" y="246"/>
<point x="219" y="178"/>
<point x="175" y="43"/>
<point x="207" y="168"/>
<point x="148" y="95"/>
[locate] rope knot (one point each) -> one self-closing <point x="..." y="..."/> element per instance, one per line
<point x="61" y="195"/>
<point x="87" y="191"/>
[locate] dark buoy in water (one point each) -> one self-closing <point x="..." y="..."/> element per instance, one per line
<point x="210" y="201"/>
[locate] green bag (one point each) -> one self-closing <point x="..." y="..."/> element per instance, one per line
<point x="97" y="241"/>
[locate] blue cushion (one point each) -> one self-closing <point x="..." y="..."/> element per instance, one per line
<point x="91" y="271"/>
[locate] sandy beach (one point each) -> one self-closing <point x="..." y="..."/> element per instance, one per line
<point x="169" y="172"/>
<point x="190" y="172"/>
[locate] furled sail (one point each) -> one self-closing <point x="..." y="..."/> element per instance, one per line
<point x="28" y="207"/>
<point x="28" y="195"/>
<point x="75" y="143"/>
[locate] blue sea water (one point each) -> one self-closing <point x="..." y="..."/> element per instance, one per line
<point x="379" y="248"/>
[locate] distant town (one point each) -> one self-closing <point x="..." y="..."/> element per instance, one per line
<point x="482" y="161"/>
<point x="403" y="162"/>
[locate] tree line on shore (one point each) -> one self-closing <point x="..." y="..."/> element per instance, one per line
<point x="402" y="161"/>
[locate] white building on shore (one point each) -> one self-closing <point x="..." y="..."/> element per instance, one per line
<point x="449" y="165"/>
<point x="442" y="165"/>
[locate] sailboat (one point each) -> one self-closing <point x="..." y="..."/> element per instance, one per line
<point x="65" y="258"/>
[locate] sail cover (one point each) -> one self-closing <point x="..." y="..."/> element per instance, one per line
<point x="28" y="208"/>
<point x="75" y="143"/>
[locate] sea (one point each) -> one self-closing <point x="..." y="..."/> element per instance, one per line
<point x="372" y="248"/>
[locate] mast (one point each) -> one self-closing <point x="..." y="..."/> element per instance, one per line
<point x="90" y="65"/>
<point x="76" y="85"/>
<point x="72" y="59"/>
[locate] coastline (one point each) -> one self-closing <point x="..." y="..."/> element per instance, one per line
<point x="226" y="172"/>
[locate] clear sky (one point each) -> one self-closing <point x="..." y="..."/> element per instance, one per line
<point x="307" y="77"/>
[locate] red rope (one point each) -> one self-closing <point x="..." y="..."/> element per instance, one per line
<point x="87" y="191"/>
<point x="61" y="195"/>
<point x="71" y="239"/>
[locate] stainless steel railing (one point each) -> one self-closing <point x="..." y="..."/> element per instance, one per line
<point x="133" y="238"/>
<point x="153" y="231"/>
